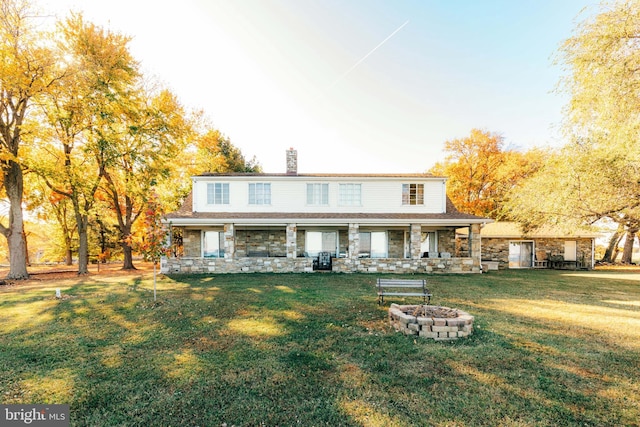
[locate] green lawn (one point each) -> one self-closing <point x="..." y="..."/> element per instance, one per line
<point x="550" y="348"/>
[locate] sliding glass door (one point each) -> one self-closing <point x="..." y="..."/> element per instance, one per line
<point x="520" y="254"/>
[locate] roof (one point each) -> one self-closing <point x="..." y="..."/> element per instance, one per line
<point x="506" y="229"/>
<point x="185" y="215"/>
<point x="321" y="175"/>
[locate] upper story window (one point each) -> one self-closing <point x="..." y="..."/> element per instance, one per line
<point x="260" y="193"/>
<point x="413" y="194"/>
<point x="217" y="193"/>
<point x="317" y="194"/>
<point x="350" y="195"/>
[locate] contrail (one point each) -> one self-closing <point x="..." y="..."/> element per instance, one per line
<point x="346" y="73"/>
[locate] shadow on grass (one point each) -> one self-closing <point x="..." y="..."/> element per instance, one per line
<point x="317" y="350"/>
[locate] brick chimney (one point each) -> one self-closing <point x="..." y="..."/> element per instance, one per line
<point x="292" y="162"/>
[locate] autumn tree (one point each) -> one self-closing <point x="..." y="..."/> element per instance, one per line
<point x="481" y="171"/>
<point x="99" y="72"/>
<point x="28" y="69"/>
<point x="55" y="210"/>
<point x="148" y="132"/>
<point x="150" y="237"/>
<point x="215" y="153"/>
<point x="595" y="176"/>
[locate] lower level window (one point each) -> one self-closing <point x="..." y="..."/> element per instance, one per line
<point x="374" y="244"/>
<point x="321" y="241"/>
<point x="429" y="244"/>
<point x="213" y="244"/>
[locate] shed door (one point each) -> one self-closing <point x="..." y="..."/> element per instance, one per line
<point x="570" y="250"/>
<point x="520" y="254"/>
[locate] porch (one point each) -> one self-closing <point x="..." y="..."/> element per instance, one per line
<point x="409" y="249"/>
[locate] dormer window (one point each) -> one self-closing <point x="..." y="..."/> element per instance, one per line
<point x="413" y="194"/>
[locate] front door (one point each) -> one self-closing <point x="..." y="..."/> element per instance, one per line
<point x="520" y="254"/>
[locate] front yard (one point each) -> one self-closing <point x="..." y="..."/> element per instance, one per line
<point x="549" y="348"/>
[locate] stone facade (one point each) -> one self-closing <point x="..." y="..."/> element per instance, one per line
<point x="191" y="241"/>
<point x="238" y="265"/>
<point x="261" y="243"/>
<point x="405" y="265"/>
<point x="283" y="250"/>
<point x="305" y="265"/>
<point x="497" y="249"/>
<point x="447" y="241"/>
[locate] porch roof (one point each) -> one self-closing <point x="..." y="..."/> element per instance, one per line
<point x="186" y="216"/>
<point x="513" y="230"/>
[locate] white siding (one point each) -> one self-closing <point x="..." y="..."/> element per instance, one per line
<point x="289" y="194"/>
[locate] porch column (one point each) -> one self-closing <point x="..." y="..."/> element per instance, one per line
<point x="475" y="244"/>
<point x="229" y="241"/>
<point x="354" y="240"/>
<point x="292" y="240"/>
<point x="415" y="240"/>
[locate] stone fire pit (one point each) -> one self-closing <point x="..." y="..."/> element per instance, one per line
<point x="431" y="321"/>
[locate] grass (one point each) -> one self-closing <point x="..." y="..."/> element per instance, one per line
<point x="550" y="348"/>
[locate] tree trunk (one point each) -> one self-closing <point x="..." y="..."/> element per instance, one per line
<point x="82" y="221"/>
<point x="26" y="247"/>
<point x="128" y="257"/>
<point x="616" y="249"/>
<point x="68" y="257"/>
<point x="627" y="253"/>
<point x="13" y="183"/>
<point x="83" y="245"/>
<point x="613" y="244"/>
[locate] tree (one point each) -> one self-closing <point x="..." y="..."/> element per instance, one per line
<point x="27" y="70"/>
<point x="481" y="171"/>
<point x="151" y="238"/>
<point x="595" y="176"/>
<point x="580" y="185"/>
<point x="215" y="153"/>
<point x="56" y="211"/>
<point x="139" y="144"/>
<point x="99" y="72"/>
<point x="602" y="65"/>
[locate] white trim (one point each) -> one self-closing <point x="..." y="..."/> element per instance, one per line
<point x="322" y="222"/>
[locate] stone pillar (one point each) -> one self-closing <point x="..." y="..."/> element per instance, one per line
<point x="354" y="240"/>
<point x="229" y="241"/>
<point x="415" y="240"/>
<point x="475" y="244"/>
<point x="292" y="240"/>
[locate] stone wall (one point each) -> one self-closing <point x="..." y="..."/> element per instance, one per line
<point x="261" y="243"/>
<point x="238" y="265"/>
<point x="191" y="243"/>
<point x="266" y="251"/>
<point x="305" y="265"/>
<point x="405" y="265"/>
<point x="494" y="249"/>
<point x="396" y="243"/>
<point x="447" y="241"/>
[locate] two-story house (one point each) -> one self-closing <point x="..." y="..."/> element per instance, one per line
<point x="290" y="222"/>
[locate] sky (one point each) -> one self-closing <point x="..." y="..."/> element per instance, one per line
<point x="355" y="86"/>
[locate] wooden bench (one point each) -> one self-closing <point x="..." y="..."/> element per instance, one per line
<point x="404" y="288"/>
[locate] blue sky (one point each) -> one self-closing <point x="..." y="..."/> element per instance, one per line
<point x="354" y="85"/>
